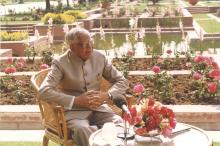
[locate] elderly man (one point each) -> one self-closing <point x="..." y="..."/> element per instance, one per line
<point x="79" y="72"/>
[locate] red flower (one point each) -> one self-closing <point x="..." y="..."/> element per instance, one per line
<point x="139" y="88"/>
<point x="197" y="76"/>
<point x="212" y="87"/>
<point x="149" y="115"/>
<point x="215" y="65"/>
<point x="44" y="66"/>
<point x="21" y="60"/>
<point x="215" y="73"/>
<point x="10" y="60"/>
<point x="169" y="51"/>
<point x="199" y="58"/>
<point x="167" y="131"/>
<point x="156" y="69"/>
<point x="9" y="70"/>
<point x="130" y="53"/>
<point x="173" y="123"/>
<point x="19" y="64"/>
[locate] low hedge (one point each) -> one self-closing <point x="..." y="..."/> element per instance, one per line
<point x="58" y="18"/>
<point x="14" y="36"/>
<point x="76" y="13"/>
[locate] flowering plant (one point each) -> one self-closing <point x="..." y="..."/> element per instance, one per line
<point x="150" y="115"/>
<point x="206" y="76"/>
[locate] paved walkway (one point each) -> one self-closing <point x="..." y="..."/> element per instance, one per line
<point x="37" y="135"/>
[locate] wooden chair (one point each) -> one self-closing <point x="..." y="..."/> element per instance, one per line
<point x="53" y="115"/>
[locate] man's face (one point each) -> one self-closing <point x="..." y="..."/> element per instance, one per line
<point x="83" y="48"/>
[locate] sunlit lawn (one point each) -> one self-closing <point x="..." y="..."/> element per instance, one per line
<point x="212" y="3"/>
<point x="25" y="144"/>
<point x="200" y="16"/>
<point x="210" y="25"/>
<point x="40" y="144"/>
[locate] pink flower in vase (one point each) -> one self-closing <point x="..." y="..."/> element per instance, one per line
<point x="199" y="58"/>
<point x="215" y="73"/>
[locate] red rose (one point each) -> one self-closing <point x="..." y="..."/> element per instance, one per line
<point x="130" y="53"/>
<point x="173" y="123"/>
<point x="9" y="70"/>
<point x="215" y="73"/>
<point x="156" y="69"/>
<point x="199" y="58"/>
<point x="21" y="60"/>
<point x="215" y="65"/>
<point x="19" y="64"/>
<point x="197" y="76"/>
<point x="139" y="88"/>
<point x="212" y="87"/>
<point x="169" y="51"/>
<point x="10" y="60"/>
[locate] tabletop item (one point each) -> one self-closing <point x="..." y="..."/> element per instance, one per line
<point x="182" y="135"/>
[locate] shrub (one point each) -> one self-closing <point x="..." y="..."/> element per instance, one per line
<point x="58" y="18"/>
<point x="76" y="13"/>
<point x="14" y="36"/>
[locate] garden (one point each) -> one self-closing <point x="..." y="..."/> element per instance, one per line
<point x="165" y="49"/>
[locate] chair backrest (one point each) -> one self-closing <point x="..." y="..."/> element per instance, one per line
<point x="52" y="114"/>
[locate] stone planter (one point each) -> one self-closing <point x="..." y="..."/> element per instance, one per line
<point x="18" y="47"/>
<point x="123" y="22"/>
<point x="57" y="30"/>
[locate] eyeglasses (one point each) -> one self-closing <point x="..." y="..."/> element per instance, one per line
<point x="85" y="45"/>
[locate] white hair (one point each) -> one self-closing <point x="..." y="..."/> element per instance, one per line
<point x="73" y="35"/>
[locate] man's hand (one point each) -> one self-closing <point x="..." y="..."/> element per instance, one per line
<point x="91" y="99"/>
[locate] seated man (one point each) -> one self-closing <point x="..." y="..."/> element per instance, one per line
<point x="79" y="72"/>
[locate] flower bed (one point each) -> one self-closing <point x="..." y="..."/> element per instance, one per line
<point x="147" y="63"/>
<point x="27" y="66"/>
<point x="182" y="91"/>
<point x="16" y="90"/>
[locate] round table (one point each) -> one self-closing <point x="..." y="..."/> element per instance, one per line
<point x="183" y="135"/>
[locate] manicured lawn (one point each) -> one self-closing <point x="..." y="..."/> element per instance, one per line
<point x="40" y="144"/>
<point x="212" y="3"/>
<point x="210" y="26"/>
<point x="200" y="16"/>
<point x="25" y="144"/>
<point x="216" y="144"/>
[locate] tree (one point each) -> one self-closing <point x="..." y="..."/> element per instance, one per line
<point x="47" y="5"/>
<point x="67" y="3"/>
<point x="155" y="1"/>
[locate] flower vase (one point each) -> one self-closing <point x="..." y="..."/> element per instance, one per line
<point x="151" y="137"/>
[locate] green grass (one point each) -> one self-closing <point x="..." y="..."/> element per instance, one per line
<point x="9" y="143"/>
<point x="210" y="26"/>
<point x="211" y="3"/>
<point x="40" y="144"/>
<point x="216" y="144"/>
<point x="200" y="16"/>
